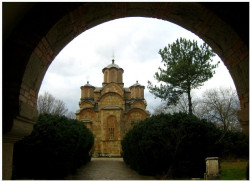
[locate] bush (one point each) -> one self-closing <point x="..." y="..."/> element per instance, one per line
<point x="56" y="147"/>
<point x="235" y="145"/>
<point x="172" y="145"/>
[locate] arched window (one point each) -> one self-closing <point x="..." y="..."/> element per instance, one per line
<point x="85" y="92"/>
<point x="105" y="76"/>
<point x="111" y="125"/>
<point x="111" y="133"/>
<point x="119" y="77"/>
<point x="112" y="76"/>
<point x="137" y="92"/>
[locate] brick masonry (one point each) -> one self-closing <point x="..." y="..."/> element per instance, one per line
<point x="28" y="96"/>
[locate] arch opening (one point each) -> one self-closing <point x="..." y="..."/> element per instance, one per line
<point x="38" y="37"/>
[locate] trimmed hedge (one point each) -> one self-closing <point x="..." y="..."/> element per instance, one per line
<point x="172" y="145"/>
<point x="56" y="147"/>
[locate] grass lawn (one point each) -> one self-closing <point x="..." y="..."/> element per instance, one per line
<point x="233" y="170"/>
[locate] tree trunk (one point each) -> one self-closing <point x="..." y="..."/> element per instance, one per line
<point x="190" y="110"/>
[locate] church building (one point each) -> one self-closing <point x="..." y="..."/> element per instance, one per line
<point x="111" y="110"/>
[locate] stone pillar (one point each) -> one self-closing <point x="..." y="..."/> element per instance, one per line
<point x="212" y="169"/>
<point x="7" y="151"/>
<point x="21" y="127"/>
<point x="243" y="116"/>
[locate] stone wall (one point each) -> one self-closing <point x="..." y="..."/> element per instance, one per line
<point x="111" y="99"/>
<point x="110" y="123"/>
<point x="138" y="104"/>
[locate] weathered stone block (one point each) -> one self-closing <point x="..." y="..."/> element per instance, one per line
<point x="212" y="168"/>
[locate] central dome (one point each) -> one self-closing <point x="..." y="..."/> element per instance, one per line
<point x="112" y="73"/>
<point x="113" y="65"/>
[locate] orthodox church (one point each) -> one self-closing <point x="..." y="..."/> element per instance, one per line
<point x="111" y="110"/>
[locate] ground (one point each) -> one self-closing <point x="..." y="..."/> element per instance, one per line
<point x="107" y="169"/>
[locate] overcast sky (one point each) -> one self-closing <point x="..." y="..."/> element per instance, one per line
<point x="134" y="43"/>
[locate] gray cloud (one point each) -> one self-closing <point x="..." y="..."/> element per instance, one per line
<point x="135" y="43"/>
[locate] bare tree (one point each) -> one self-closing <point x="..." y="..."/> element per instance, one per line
<point x="47" y="103"/>
<point x="71" y="115"/>
<point x="59" y="108"/>
<point x="216" y="105"/>
<point x="181" y="106"/>
<point x="159" y="109"/>
<point x="221" y="106"/>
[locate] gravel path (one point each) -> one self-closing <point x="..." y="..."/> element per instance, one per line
<point x="107" y="169"/>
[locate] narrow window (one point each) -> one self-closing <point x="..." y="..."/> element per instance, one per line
<point x="111" y="125"/>
<point x="112" y="76"/>
<point x="105" y="76"/>
<point x="111" y="133"/>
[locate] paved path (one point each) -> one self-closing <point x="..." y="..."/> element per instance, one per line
<point x="107" y="169"/>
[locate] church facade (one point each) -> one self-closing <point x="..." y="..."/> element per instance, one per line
<point x="111" y="110"/>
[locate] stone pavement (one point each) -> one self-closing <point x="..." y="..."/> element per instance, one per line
<point x="107" y="169"/>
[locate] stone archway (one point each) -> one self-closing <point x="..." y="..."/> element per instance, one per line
<point x="40" y="31"/>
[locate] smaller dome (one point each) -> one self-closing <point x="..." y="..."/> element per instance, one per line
<point x="137" y="85"/>
<point x="87" y="85"/>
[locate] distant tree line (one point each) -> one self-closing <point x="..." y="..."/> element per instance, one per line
<point x="219" y="106"/>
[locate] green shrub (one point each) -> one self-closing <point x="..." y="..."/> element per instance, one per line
<point x="172" y="145"/>
<point x="56" y="147"/>
<point x="235" y="145"/>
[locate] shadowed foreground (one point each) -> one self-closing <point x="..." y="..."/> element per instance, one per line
<point x="107" y="169"/>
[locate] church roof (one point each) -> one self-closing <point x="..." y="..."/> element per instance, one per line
<point x="85" y="108"/>
<point x="98" y="89"/>
<point x="136" y="99"/>
<point x="133" y="108"/>
<point x="113" y="65"/>
<point x="126" y="89"/>
<point x="137" y="85"/>
<point x="88" y="85"/>
<point x="87" y="100"/>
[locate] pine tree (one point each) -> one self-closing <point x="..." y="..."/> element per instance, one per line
<point x="187" y="67"/>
